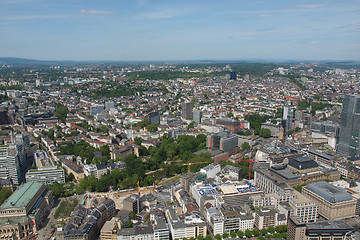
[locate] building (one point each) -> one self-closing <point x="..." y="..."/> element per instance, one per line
<point x="349" y="144"/>
<point x="191" y="226"/>
<point x="86" y="223"/>
<point x="233" y="75"/>
<point x="95" y="109"/>
<point x="15" y="159"/>
<point x="232" y="125"/>
<point x="303" y="208"/>
<point x="322" y="230"/>
<point x="187" y="111"/>
<point x="153" y="118"/>
<point x="236" y="219"/>
<point x="287" y="120"/>
<point x="139" y="232"/>
<point x="334" y="202"/>
<point x="46" y="172"/>
<point x="222" y="141"/>
<point x="197" y="115"/>
<point x="266" y="217"/>
<point x="211" y="170"/>
<point x="132" y="203"/>
<point x="24" y="212"/>
<point x="109" y="105"/>
<point x="302" y="165"/>
<point x="275" y="129"/>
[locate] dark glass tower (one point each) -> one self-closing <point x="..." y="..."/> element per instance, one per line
<point x="348" y="145"/>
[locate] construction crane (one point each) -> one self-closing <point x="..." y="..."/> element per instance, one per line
<point x="250" y="162"/>
<point x="138" y="183"/>
<point x="189" y="164"/>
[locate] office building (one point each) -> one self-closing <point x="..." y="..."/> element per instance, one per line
<point x="46" y="172"/>
<point x="109" y="105"/>
<point x="322" y="230"/>
<point x="22" y="214"/>
<point x="349" y="145"/>
<point x="334" y="202"/>
<point x="95" y="109"/>
<point x="15" y="159"/>
<point x="303" y="208"/>
<point x="153" y="118"/>
<point x="197" y="115"/>
<point x="287" y="120"/>
<point x="233" y="75"/>
<point x="222" y="141"/>
<point x="187" y="111"/>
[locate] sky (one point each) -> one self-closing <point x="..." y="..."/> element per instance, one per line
<point x="129" y="30"/>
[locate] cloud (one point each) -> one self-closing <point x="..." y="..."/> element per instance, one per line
<point x="264" y="15"/>
<point x="158" y="15"/>
<point x="310" y="6"/>
<point x="33" y="17"/>
<point x="94" y="12"/>
<point x="141" y="3"/>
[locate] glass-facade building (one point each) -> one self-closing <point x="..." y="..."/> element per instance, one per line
<point x="348" y="145"/>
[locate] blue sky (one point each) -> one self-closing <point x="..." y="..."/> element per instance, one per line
<point x="180" y="30"/>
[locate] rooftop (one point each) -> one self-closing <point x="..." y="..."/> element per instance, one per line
<point x="329" y="192"/>
<point x="23" y="196"/>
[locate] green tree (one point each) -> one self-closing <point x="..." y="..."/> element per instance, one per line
<point x="263" y="231"/>
<point x="129" y="224"/>
<point x="260" y="238"/>
<point x="264" y="132"/>
<point x="285" y="227"/>
<point x="200" y="237"/>
<point x="271" y="229"/>
<point x="240" y="234"/>
<point x="279" y="229"/>
<point x="255" y="232"/>
<point x="61" y="113"/>
<point x="208" y="237"/>
<point x="218" y="237"/>
<point x="248" y="233"/>
<point x="225" y="235"/>
<point x="4" y="194"/>
<point x="191" y="125"/>
<point x="233" y="234"/>
<point x="230" y="115"/>
<point x="245" y="146"/>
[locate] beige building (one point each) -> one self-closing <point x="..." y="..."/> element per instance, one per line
<point x="334" y="202"/>
<point x="303" y="208"/>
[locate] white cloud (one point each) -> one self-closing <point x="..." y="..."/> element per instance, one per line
<point x="33" y="17"/>
<point x="94" y="12"/>
<point x="309" y="6"/>
<point x="158" y="15"/>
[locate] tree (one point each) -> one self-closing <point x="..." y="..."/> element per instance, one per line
<point x="4" y="194"/>
<point x="233" y="234"/>
<point x="255" y="232"/>
<point x="184" y="238"/>
<point x="129" y="224"/>
<point x="271" y="229"/>
<point x="192" y="238"/>
<point x="263" y="231"/>
<point x="61" y="113"/>
<point x="264" y="132"/>
<point x="230" y="115"/>
<point x="200" y="237"/>
<point x="225" y="235"/>
<point x="260" y="238"/>
<point x="218" y="237"/>
<point x="245" y="146"/>
<point x="279" y="229"/>
<point x="208" y="237"/>
<point x="285" y="227"/>
<point x="248" y="233"/>
<point x="191" y="125"/>
<point x="240" y="234"/>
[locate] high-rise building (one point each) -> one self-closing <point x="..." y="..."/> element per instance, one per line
<point x="154" y="117"/>
<point x="187" y="111"/>
<point x="232" y="75"/>
<point x="197" y="114"/>
<point x="349" y="145"/>
<point x="287" y="118"/>
<point x="13" y="159"/>
<point x="109" y="105"/>
<point x="96" y="109"/>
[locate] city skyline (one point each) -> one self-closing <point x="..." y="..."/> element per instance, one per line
<point x="180" y="30"/>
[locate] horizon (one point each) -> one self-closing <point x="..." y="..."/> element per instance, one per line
<point x="148" y="30"/>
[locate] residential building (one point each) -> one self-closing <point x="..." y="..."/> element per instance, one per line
<point x="304" y="208"/>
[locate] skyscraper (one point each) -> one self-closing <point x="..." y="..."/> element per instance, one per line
<point x="349" y="145"/>
<point x="187" y="111"/>
<point x="197" y="114"/>
<point x="232" y="75"/>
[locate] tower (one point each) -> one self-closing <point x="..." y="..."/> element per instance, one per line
<point x="187" y="111"/>
<point x="349" y="145"/>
